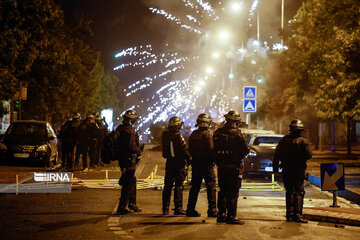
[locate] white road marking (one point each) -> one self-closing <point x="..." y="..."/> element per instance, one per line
<point x="113" y="225"/>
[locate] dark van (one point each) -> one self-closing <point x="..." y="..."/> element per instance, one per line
<point x="30" y="141"/>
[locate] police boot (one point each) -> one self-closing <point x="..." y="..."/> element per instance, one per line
<point x="165" y="211"/>
<point x="165" y="208"/>
<point x="165" y="204"/>
<point x="121" y="210"/>
<point x="134" y="208"/>
<point x="234" y="220"/>
<point x="298" y="217"/>
<point x="221" y="218"/>
<point x="179" y="211"/>
<point x="178" y="204"/>
<point x="192" y="213"/>
<point x="212" y="212"/>
<point x="221" y="207"/>
<point x="290" y="202"/>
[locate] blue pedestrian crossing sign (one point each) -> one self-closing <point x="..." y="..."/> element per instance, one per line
<point x="249" y="105"/>
<point x="250" y="92"/>
<point x="332" y="176"/>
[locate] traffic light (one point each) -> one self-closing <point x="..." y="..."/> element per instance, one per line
<point x="16" y="105"/>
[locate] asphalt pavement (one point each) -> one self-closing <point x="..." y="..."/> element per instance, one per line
<point x="88" y="211"/>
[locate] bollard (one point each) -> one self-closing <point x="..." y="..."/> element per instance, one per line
<point x="106" y="175"/>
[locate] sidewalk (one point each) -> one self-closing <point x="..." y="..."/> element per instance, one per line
<point x="341" y="215"/>
<point x="340" y="153"/>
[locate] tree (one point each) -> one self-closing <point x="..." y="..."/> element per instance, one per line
<point x="322" y="61"/>
<point x="333" y="33"/>
<point x="25" y="29"/>
<point x="48" y="53"/>
<point x="106" y="95"/>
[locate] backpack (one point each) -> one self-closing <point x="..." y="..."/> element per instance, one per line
<point x="108" y="152"/>
<point x="221" y="146"/>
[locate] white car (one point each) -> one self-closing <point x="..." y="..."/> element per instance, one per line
<point x="262" y="149"/>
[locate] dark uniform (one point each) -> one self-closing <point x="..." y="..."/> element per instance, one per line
<point x="102" y="133"/>
<point x="291" y="155"/>
<point x="176" y="152"/>
<point x="87" y="136"/>
<point x="201" y="148"/>
<point x="230" y="148"/>
<point x="72" y="138"/>
<point x="128" y="151"/>
<point x="65" y="146"/>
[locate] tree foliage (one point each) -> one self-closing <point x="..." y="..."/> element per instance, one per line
<point x="48" y="52"/>
<point x="26" y="28"/>
<point x="319" y="73"/>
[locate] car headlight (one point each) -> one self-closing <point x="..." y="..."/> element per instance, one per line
<point x="3" y="147"/>
<point x="42" y="148"/>
<point x="252" y="153"/>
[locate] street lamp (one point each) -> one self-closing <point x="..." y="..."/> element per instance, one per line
<point x="216" y="55"/>
<point x="236" y="6"/>
<point x="282" y="22"/>
<point x="224" y="35"/>
<point x="209" y="70"/>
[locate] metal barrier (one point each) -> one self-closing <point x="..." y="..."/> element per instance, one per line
<point x="262" y="187"/>
<point x="153" y="180"/>
<point x="156" y="181"/>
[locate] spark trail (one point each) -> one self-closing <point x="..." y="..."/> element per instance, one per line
<point x="182" y="87"/>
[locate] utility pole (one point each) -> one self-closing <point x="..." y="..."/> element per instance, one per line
<point x="20" y="101"/>
<point x="258" y="29"/>
<point x="282" y="22"/>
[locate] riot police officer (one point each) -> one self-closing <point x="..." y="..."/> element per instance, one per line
<point x="128" y="151"/>
<point x="230" y="148"/>
<point x="103" y="131"/>
<point x="176" y="152"/>
<point x="87" y="136"/>
<point x="201" y="148"/>
<point x="65" y="146"/>
<point x="72" y="138"/>
<point x="291" y="155"/>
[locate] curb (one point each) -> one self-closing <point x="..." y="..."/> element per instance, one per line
<point x="326" y="216"/>
<point x="347" y="194"/>
<point x="333" y="217"/>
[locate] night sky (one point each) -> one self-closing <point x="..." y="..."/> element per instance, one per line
<point x="118" y="24"/>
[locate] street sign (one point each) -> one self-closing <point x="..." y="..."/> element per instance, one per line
<point x="249" y="105"/>
<point x="332" y="176"/>
<point x="250" y="92"/>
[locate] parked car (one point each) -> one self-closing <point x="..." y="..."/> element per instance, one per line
<point x="30" y="141"/>
<point x="250" y="132"/>
<point x="262" y="149"/>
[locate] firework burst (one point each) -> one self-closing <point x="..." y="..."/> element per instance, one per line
<point x="186" y="85"/>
